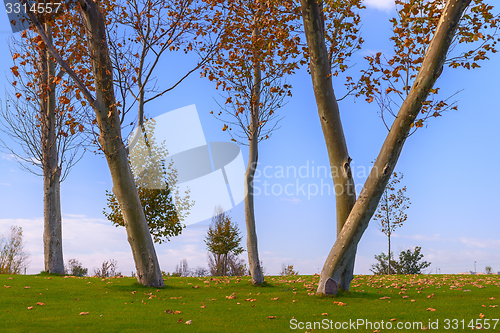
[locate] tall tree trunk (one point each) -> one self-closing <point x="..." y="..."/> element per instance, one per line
<point x="328" y="110"/>
<point x="52" y="226"/>
<point x="110" y="139"/>
<point x="389" y="260"/>
<point x="253" y="145"/>
<point x="374" y="187"/>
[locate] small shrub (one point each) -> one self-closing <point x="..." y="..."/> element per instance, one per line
<point x="108" y="269"/>
<point x="288" y="270"/>
<point x="75" y="268"/>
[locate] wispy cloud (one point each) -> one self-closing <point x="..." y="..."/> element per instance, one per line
<point x="5" y="184"/>
<point x="421" y="237"/>
<point x="293" y="200"/>
<point x="8" y="157"/>
<point x="481" y="243"/>
<point x="385" y="5"/>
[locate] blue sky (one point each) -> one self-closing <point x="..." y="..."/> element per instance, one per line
<point x="450" y="169"/>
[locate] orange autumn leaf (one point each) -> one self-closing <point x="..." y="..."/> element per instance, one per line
<point x="14" y="70"/>
<point x="84" y="313"/>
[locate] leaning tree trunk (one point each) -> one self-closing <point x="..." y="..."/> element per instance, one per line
<point x="374" y="187"/>
<point x="52" y="226"/>
<point x="110" y="139"/>
<point x="328" y="110"/>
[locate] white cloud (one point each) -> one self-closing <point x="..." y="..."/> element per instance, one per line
<point x="385" y="5"/>
<point x="8" y="157"/>
<point x="481" y="243"/>
<point x="292" y="200"/>
<point x="421" y="237"/>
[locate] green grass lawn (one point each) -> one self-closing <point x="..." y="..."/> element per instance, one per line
<point x="36" y="303"/>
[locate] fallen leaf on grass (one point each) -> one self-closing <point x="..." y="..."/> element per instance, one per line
<point x="393" y="319"/>
<point x="405" y="296"/>
<point x="188" y="322"/>
<point x="310" y="294"/>
<point x="250" y="300"/>
<point x="481" y="315"/>
<point x="40" y="303"/>
<point x="84" y="313"/>
<point x="195" y="287"/>
<point x="274" y="299"/>
<point x="324" y="314"/>
<point x="431" y="309"/>
<point x="493" y="306"/>
<point x="27" y="287"/>
<point x="492" y="298"/>
<point x="483" y="306"/>
<point x="6" y="286"/>
<point x="271" y="317"/>
<point x="177" y="312"/>
<point x="30" y="307"/>
<point x="10" y="278"/>
<point x="180" y="320"/>
<point x="413" y="300"/>
<point x="385" y="297"/>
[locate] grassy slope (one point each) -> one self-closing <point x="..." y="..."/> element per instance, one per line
<point x="113" y="306"/>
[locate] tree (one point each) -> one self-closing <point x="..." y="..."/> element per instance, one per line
<point x="256" y="51"/>
<point x="381" y="267"/>
<point x="391" y="210"/>
<point x="450" y="23"/>
<point x="156" y="185"/>
<point x="332" y="34"/>
<point x="107" y="269"/>
<point x="141" y="33"/>
<point x="223" y="240"/>
<point x="75" y="268"/>
<point x="201" y="272"/>
<point x="182" y="269"/>
<point x="44" y="119"/>
<point x="409" y="261"/>
<point x="13" y="258"/>
<point x="488" y="270"/>
<point x="110" y="138"/>
<point x="288" y="270"/>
